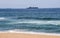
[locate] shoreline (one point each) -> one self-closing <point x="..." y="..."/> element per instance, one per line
<point x="23" y="35"/>
<point x="27" y="32"/>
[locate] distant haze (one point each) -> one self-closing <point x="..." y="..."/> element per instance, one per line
<point x="28" y="3"/>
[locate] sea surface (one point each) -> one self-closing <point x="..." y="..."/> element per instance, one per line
<point x="46" y="20"/>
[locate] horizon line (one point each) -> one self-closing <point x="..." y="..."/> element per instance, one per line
<point x="21" y="8"/>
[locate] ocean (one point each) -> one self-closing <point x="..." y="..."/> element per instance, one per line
<point x="46" y="20"/>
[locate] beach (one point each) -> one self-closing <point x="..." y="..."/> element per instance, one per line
<point x="30" y="23"/>
<point x="24" y="35"/>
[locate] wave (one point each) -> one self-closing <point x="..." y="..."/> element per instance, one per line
<point x="31" y="17"/>
<point x="29" y="32"/>
<point x="55" y="22"/>
<point x="2" y="18"/>
<point x="37" y="18"/>
<point x="29" y="21"/>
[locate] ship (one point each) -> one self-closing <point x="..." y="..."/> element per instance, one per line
<point x="32" y="8"/>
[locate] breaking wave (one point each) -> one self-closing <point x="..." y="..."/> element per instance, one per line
<point x="55" y="22"/>
<point x="29" y="21"/>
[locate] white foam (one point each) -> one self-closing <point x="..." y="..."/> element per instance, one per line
<point x="2" y="18"/>
<point x="55" y="22"/>
<point x="28" y="32"/>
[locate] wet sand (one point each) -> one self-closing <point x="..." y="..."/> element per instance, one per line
<point x="22" y="35"/>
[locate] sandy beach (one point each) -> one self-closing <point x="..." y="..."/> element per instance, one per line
<point x="22" y="35"/>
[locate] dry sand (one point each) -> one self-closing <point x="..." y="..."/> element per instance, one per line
<point x="22" y="35"/>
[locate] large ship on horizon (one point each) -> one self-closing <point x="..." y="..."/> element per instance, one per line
<point x="32" y="8"/>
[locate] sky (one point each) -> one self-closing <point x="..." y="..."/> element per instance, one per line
<point x="28" y="3"/>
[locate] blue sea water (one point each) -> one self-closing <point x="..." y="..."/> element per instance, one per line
<point x="35" y="20"/>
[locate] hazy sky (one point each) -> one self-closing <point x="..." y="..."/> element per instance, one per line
<point x="27" y="3"/>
